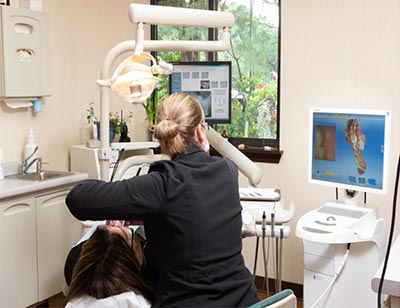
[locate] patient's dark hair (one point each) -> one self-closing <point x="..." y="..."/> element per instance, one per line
<point x="107" y="266"/>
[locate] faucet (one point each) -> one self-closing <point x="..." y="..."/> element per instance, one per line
<point x="25" y="166"/>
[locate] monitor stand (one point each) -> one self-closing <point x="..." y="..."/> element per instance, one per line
<point x="353" y="198"/>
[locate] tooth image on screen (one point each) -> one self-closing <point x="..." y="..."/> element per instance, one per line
<point x="356" y="139"/>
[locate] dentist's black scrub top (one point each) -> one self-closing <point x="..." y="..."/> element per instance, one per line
<point x="191" y="210"/>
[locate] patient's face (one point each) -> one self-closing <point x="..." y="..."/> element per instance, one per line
<point x="132" y="239"/>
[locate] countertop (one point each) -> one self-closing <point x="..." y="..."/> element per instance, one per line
<point x="14" y="187"/>
<point x="391" y="284"/>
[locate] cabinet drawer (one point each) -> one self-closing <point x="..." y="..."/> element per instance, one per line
<point x="319" y="264"/>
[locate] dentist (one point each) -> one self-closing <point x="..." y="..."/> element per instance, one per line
<point x="191" y="211"/>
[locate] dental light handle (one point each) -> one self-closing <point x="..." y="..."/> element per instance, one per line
<point x="226" y="149"/>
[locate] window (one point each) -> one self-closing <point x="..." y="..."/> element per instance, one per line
<point x="255" y="69"/>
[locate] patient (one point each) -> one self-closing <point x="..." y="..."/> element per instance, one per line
<point x="109" y="265"/>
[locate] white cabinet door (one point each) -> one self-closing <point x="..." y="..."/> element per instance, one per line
<point x="18" y="266"/>
<point x="57" y="231"/>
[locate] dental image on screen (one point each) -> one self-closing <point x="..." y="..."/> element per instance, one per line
<point x="204" y="97"/>
<point x="208" y="82"/>
<point x="324" y="142"/>
<point x="348" y="150"/>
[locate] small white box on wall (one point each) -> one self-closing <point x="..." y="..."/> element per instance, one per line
<point x="31" y="4"/>
<point x="24" y="53"/>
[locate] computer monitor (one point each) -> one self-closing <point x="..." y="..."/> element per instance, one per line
<point x="349" y="149"/>
<point x="209" y="82"/>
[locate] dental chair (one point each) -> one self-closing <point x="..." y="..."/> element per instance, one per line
<point x="283" y="299"/>
<point x="136" y="165"/>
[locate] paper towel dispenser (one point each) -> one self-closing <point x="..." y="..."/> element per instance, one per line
<point x="24" y="54"/>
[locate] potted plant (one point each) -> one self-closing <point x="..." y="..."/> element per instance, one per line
<point x="118" y="124"/>
<point x="151" y="107"/>
<point x="151" y="110"/>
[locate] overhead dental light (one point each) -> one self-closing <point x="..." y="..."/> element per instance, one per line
<point x="134" y="78"/>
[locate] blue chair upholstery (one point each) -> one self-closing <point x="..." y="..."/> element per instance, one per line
<point x="285" y="298"/>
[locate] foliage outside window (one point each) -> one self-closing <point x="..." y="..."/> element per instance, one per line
<point x="254" y="54"/>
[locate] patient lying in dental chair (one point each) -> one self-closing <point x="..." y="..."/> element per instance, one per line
<point x="105" y="269"/>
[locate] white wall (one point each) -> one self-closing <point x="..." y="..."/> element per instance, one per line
<point x="334" y="54"/>
<point x="341" y="54"/>
<point x="81" y="34"/>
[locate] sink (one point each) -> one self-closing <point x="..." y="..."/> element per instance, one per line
<point x="40" y="176"/>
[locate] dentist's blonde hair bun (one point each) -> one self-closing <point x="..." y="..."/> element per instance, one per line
<point x="177" y="118"/>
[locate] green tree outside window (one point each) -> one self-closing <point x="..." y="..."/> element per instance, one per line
<point x="254" y="55"/>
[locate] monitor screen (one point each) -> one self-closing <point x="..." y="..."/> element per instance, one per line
<point x="209" y="83"/>
<point x="348" y="148"/>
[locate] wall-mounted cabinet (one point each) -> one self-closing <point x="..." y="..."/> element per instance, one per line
<point x="24" y="53"/>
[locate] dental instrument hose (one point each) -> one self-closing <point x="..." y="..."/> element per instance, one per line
<point x="338" y="271"/>
<point x="274" y="251"/>
<point x="266" y="282"/>
<point x="389" y="245"/>
<point x="280" y="261"/>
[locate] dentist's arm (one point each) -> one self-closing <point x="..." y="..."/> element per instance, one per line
<point x="134" y="198"/>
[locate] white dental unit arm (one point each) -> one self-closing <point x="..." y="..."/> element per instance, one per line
<point x="226" y="149"/>
<point x="156" y="15"/>
<point x="160" y="15"/>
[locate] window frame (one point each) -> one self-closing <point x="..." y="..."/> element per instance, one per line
<point x="257" y="149"/>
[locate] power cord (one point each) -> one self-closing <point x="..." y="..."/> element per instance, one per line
<point x="337" y="273"/>
<point x="389" y="245"/>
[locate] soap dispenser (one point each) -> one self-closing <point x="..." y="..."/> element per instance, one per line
<point x="30" y="153"/>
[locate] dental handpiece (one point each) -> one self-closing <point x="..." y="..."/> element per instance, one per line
<point x="264" y="220"/>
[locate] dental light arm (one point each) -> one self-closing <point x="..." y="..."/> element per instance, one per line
<point x="173" y="16"/>
<point x="226" y="149"/>
<point x="104" y="154"/>
<point x="161" y="15"/>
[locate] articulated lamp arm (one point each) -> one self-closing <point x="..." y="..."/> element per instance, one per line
<point x="173" y="16"/>
<point x="161" y="15"/>
<point x="226" y="149"/>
